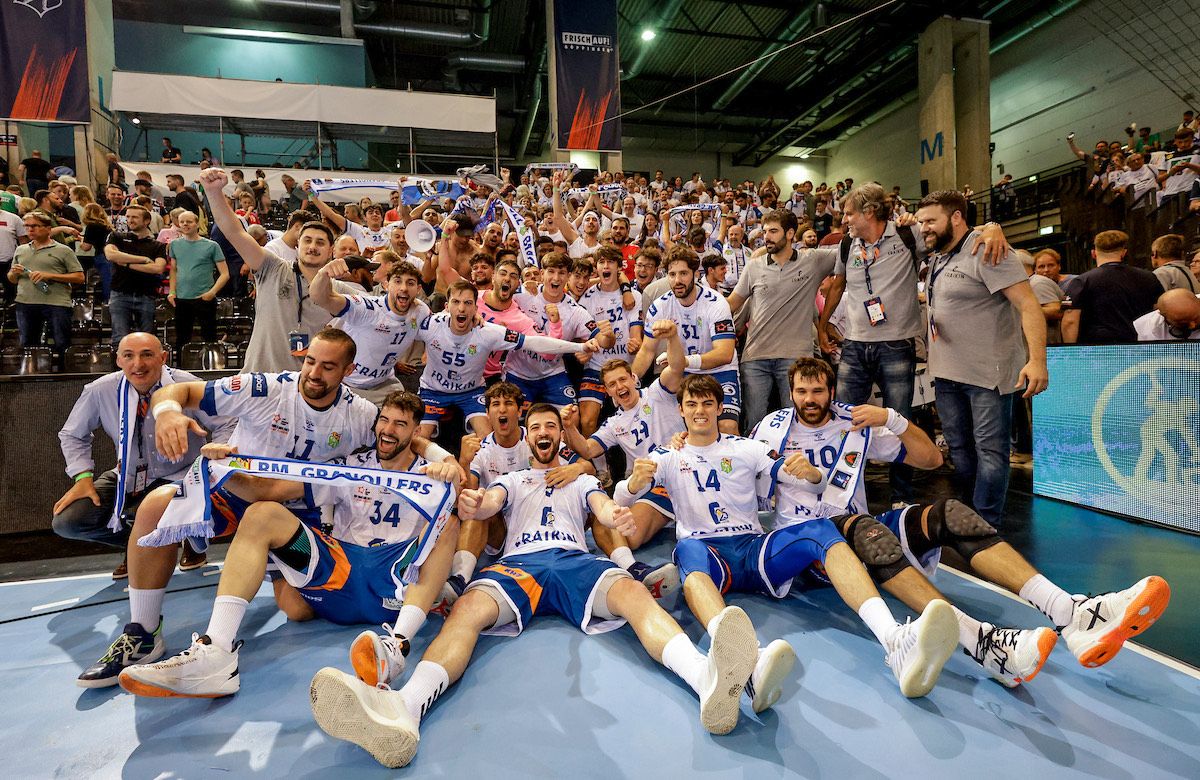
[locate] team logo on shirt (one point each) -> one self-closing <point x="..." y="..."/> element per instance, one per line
<point x="335" y="438"/>
<point x="851" y="458"/>
<point x="726" y="465"/>
<point x="645" y="408"/>
<point x="471" y="349"/>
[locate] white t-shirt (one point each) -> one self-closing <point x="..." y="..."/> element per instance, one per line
<point x="650" y="423"/>
<point x="1152" y="326"/>
<point x="382" y="336"/>
<point x="368" y="515"/>
<point x="603" y="305"/>
<point x="494" y="460"/>
<point x="577" y="325"/>
<point x="275" y="421"/>
<point x="707" y="321"/>
<point x="366" y="238"/>
<point x="541" y="518"/>
<point x="12" y="228"/>
<point x="579" y="248"/>
<point x="277" y="247"/>
<point x="454" y="363"/>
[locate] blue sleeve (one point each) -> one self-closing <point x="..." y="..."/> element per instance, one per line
<point x="208" y="402"/>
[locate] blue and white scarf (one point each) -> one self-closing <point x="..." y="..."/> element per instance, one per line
<point x="524" y="234"/>
<point x="189" y="515"/>
<point x="411" y="193"/>
<point x="845" y="473"/>
<point x="552" y="166"/>
<point x="127" y="407"/>
<point x="604" y="191"/>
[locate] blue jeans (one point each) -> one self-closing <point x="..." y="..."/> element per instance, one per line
<point x="976" y="423"/>
<point x="758" y="377"/>
<point x="103" y="267"/>
<point x="893" y="366"/>
<point x="131" y="313"/>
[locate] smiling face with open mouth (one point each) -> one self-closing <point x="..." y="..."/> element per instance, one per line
<point x="402" y="291"/>
<point x="621" y="386"/>
<point x="504" y="413"/>
<point x="393" y="432"/>
<point x="506" y="279"/>
<point x="543" y="431"/>
<point x="812" y="398"/>
<point x="462" y="307"/>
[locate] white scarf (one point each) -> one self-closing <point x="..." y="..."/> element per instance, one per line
<point x="524" y="234"/>
<point x="189" y="515"/>
<point x="127" y="404"/>
<point x="552" y="166"/>
<point x="413" y="190"/>
<point x="604" y="190"/>
<point x="848" y="467"/>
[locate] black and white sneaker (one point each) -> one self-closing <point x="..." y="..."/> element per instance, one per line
<point x="661" y="581"/>
<point x="134" y="646"/>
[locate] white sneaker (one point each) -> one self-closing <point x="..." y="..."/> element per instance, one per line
<point x="202" y="671"/>
<point x="1101" y="624"/>
<point x="374" y="719"/>
<point x="775" y="662"/>
<point x="919" y="649"/>
<point x="379" y="660"/>
<point x="731" y="658"/>
<point x="1013" y="655"/>
<point x="661" y="581"/>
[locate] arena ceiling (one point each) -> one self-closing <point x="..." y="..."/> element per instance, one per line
<point x="803" y="99"/>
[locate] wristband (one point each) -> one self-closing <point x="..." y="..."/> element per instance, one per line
<point x="166" y="406"/>
<point x="693" y="362"/>
<point x="626" y="287"/>
<point x="83" y="475"/>
<point x="896" y="422"/>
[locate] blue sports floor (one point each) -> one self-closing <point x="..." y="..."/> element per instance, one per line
<point x="555" y="703"/>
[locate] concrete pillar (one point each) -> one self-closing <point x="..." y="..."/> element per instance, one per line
<point x="953" y="95"/>
<point x="611" y="161"/>
<point x="95" y="140"/>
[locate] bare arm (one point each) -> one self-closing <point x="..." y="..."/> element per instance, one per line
<point x="326" y="210"/>
<point x="585" y="446"/>
<point x="1034" y="376"/>
<point x="832" y="299"/>
<point x="213" y="180"/>
<point x="1070" y="326"/>
<point x="611" y="514"/>
<point x="560" y="221"/>
<point x="222" y="279"/>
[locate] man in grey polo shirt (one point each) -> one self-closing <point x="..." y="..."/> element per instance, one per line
<point x="285" y="320"/>
<point x="877" y="273"/>
<point x="783" y="285"/>
<point x="977" y="356"/>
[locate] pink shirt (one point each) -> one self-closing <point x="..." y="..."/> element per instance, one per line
<point x="515" y="319"/>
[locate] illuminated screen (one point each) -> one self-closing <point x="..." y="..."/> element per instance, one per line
<point x="1119" y="430"/>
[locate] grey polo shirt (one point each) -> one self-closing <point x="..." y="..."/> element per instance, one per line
<point x="892" y="278"/>
<point x="979" y="340"/>
<point x="1176" y="275"/>
<point x="281" y="306"/>
<point x="784" y="298"/>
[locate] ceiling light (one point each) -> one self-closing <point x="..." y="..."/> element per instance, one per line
<point x="648" y="34"/>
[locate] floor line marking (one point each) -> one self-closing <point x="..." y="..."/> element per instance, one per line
<point x="1154" y="655"/>
<point x="54" y="604"/>
<point x="41" y="580"/>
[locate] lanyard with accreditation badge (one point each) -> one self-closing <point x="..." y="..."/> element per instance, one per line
<point x="934" y="273"/>
<point x="874" y="304"/>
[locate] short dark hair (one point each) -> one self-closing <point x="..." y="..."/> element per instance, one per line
<point x="462" y="285"/>
<point x="712" y="260"/>
<point x="699" y="386"/>
<point x="374" y="207"/>
<point x="782" y="217"/>
<point x="543" y="408"/>
<point x="41" y="195"/>
<point x="813" y="368"/>
<point x="619" y="218"/>
<point x="610" y="253"/>
<point x="697" y="235"/>
<point x="650" y="253"/>
<point x="321" y="226"/>
<point x="949" y="201"/>
<point x="338" y="336"/>
<point x="583" y="265"/>
<point x="678" y="253"/>
<point x="299" y="217"/>
<point x="405" y="402"/>
<point x="510" y="259"/>
<point x="402" y="268"/>
<point x="1111" y="241"/>
<point x="483" y="257"/>
<point x="1169" y="246"/>
<point x="556" y="260"/>
<point x="503" y="390"/>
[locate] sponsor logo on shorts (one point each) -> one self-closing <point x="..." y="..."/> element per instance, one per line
<point x="392" y="603"/>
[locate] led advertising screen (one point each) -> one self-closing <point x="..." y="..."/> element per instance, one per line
<point x="1119" y="430"/>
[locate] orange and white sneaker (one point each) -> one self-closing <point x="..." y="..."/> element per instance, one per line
<point x="1101" y="624"/>
<point x="1014" y="655"/>
<point x="378" y="660"/>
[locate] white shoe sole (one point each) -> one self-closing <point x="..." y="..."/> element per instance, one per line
<point x="937" y="637"/>
<point x="339" y="710"/>
<point x="733" y="653"/>
<point x="158" y="652"/>
<point x="778" y="660"/>
<point x="663" y="581"/>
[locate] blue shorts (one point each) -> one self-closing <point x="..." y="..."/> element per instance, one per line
<point x="228" y="509"/>
<point x="731" y="388"/>
<point x="590" y="386"/>
<point x="660" y="500"/>
<point x="758" y="563"/>
<point x="438" y="405"/>
<point x="555" y="389"/>
<point x="551" y="582"/>
<point x="894" y="521"/>
<point x="346" y="583"/>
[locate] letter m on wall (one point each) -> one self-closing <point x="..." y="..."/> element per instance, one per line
<point x="930" y="150"/>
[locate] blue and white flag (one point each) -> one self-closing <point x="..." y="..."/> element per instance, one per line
<point x="412" y="192"/>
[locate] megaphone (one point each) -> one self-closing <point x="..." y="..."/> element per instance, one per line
<point x="420" y="235"/>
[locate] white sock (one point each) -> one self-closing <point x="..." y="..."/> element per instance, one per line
<point x="410" y="620"/>
<point x="681" y="656"/>
<point x="226" y="619"/>
<point x="464" y="565"/>
<point x="623" y="557"/>
<point x="145" y="606"/>
<point x="875" y="613"/>
<point x="429" y="681"/>
<point x="969" y="630"/>
<point x="1054" y="602"/>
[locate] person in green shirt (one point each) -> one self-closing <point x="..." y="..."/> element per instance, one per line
<point x="195" y="261"/>
<point x="44" y="271"/>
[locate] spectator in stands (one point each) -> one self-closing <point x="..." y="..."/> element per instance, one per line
<point x="1048" y="263"/>
<point x="170" y="154"/>
<point x="1166" y="254"/>
<point x="96" y="229"/>
<point x="198" y="272"/>
<point x="1180" y="168"/>
<point x="1097" y="162"/>
<point x="1005" y="199"/>
<point x="34" y="173"/>
<point x="284" y="246"/>
<point x="1190" y="122"/>
<point x="185" y="198"/>
<point x="44" y="271"/>
<point x="247" y="208"/>
<point x="139" y="262"/>
<point x="116" y="174"/>
<point x="293" y="197"/>
<point x="1176" y="317"/>
<point x="987" y="342"/>
<point x="1106" y="300"/>
<point x="1049" y="295"/>
<point x="1145" y="142"/>
<point x="12" y="235"/>
<point x="115" y="207"/>
<point x="809" y="239"/>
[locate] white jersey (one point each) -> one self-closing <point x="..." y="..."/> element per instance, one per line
<point x="579" y="248"/>
<point x="822" y="446"/>
<point x="707" y="321"/>
<point x="494" y="460"/>
<point x="650" y="423"/>
<point x="735" y="260"/>
<point x="542" y="518"/>
<point x="382" y="336"/>
<point x="603" y="305"/>
<point x="713" y="488"/>
<point x="577" y="325"/>
<point x="274" y="420"/>
<point x="366" y="238"/>
<point x="454" y="363"/>
<point x="368" y="515"/>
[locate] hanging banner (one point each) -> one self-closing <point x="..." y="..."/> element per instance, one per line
<point x="43" y="60"/>
<point x="587" y="75"/>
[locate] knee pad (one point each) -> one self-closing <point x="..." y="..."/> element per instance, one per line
<point x="953" y="524"/>
<point x="877" y="547"/>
